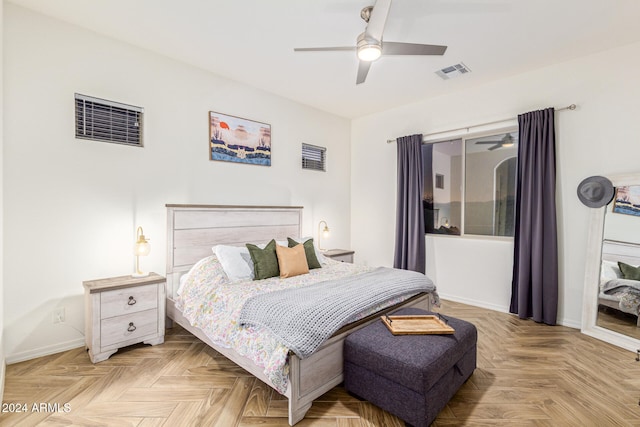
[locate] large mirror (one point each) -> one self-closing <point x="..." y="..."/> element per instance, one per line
<point x="612" y="277"/>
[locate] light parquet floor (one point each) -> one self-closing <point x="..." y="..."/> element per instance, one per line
<point x="617" y="321"/>
<point x="528" y="375"/>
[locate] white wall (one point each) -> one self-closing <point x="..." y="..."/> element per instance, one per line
<point x="72" y="206"/>
<point x="598" y="138"/>
<point x="621" y="227"/>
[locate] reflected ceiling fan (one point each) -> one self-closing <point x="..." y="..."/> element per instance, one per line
<point x="506" y="141"/>
<point x="370" y="46"/>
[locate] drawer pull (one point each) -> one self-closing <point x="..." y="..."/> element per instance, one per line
<point x="131" y="301"/>
<point x="131" y="327"/>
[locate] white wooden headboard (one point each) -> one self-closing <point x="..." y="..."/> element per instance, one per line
<point x="192" y="230"/>
<point x="613" y="250"/>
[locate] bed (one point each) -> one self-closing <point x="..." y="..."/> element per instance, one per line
<point x="192" y="230"/>
<point x="616" y="292"/>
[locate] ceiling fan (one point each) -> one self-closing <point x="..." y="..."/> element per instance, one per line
<point x="506" y="141"/>
<point x="370" y="46"/>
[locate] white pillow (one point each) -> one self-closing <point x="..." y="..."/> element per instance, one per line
<point x="236" y="262"/>
<point x="183" y="279"/>
<point x="610" y="270"/>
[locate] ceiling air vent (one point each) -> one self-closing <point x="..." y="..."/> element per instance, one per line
<point x="453" y="71"/>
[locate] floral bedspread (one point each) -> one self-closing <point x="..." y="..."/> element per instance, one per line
<point x="626" y="291"/>
<point x="211" y="302"/>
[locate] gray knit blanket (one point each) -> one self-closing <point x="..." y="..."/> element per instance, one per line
<point x="303" y="318"/>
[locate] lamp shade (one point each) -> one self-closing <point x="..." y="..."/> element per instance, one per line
<point x="140" y="248"/>
<point x="322" y="232"/>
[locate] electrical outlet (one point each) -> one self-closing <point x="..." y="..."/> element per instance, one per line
<point x="58" y="315"/>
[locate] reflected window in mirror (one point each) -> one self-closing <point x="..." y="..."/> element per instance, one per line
<point x="470" y="184"/>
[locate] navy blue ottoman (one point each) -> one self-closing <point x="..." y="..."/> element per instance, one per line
<point x="410" y="376"/>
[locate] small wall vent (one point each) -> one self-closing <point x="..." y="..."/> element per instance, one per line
<point x="314" y="157"/>
<point x="453" y="71"/>
<point x="101" y="120"/>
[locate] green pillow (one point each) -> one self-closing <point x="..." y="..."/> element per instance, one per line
<point x="265" y="261"/>
<point x="629" y="272"/>
<point x="309" y="251"/>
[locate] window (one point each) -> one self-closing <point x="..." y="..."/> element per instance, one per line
<point x="102" y="120"/>
<point x="470" y="184"/>
<point x="314" y="157"/>
<point x="442" y="205"/>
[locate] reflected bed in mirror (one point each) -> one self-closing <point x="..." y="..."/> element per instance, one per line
<point x="611" y="298"/>
<point x="619" y="296"/>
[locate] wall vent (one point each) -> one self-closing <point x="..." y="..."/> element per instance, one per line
<point x="101" y="120"/>
<point x="453" y="71"/>
<point x="314" y="157"/>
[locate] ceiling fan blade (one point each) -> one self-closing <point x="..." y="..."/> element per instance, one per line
<point x="399" y="48"/>
<point x="489" y="142"/>
<point x="495" y="147"/>
<point x="323" y="49"/>
<point x="363" y="70"/>
<point x="378" y="19"/>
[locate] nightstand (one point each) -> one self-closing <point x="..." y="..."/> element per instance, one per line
<point x="121" y="311"/>
<point x="343" y="255"/>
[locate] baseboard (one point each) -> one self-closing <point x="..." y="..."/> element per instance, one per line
<point x="474" y="303"/>
<point x="44" y="351"/>
<point x="570" y="323"/>
<point x="563" y="322"/>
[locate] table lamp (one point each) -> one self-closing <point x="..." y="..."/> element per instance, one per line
<point x="322" y="232"/>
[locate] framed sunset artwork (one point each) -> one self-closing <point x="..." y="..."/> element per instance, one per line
<point x="234" y="139"/>
<point x="627" y="200"/>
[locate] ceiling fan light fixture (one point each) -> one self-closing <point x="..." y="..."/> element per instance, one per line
<point x="369" y="43"/>
<point x="368" y="48"/>
<point x="369" y="52"/>
<point x="507" y="141"/>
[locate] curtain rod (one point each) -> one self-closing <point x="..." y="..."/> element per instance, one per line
<point x="569" y="107"/>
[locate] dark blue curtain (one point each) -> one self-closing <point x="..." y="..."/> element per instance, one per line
<point x="535" y="262"/>
<point x="410" y="246"/>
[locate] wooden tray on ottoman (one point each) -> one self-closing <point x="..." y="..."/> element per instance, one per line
<point x="417" y="324"/>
